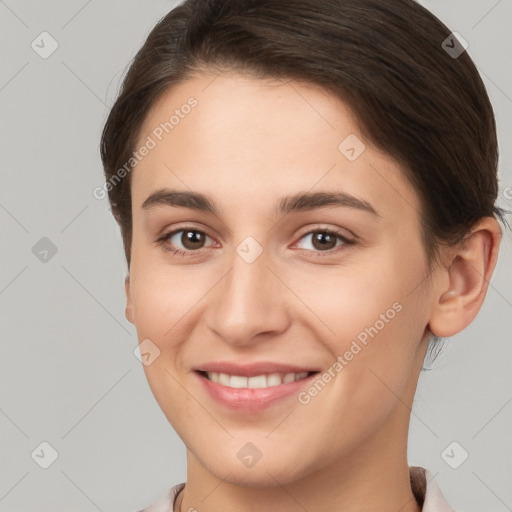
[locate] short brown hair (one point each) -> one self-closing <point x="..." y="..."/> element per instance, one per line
<point x="385" y="58"/>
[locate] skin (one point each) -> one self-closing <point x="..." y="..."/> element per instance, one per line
<point x="247" y="143"/>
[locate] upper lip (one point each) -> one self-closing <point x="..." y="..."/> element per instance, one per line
<point x="251" y="369"/>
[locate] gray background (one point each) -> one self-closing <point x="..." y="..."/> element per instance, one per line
<point x="68" y="375"/>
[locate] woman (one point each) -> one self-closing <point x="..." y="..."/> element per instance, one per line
<point x="306" y="193"/>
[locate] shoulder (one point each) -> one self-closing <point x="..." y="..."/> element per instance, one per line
<point x="427" y="492"/>
<point x="166" y="502"/>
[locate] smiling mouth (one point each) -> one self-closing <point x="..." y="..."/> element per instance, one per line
<point x="256" y="381"/>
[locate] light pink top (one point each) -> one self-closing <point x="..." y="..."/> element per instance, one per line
<point x="423" y="485"/>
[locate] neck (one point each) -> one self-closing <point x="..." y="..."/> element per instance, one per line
<point x="376" y="477"/>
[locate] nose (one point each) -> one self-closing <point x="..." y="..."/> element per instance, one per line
<point x="250" y="301"/>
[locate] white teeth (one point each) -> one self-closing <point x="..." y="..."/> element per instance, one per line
<point x="224" y="379"/>
<point x="274" y="379"/>
<point x="289" y="377"/>
<point x="238" y="382"/>
<point x="258" y="381"/>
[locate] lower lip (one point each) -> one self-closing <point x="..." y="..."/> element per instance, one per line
<point x="252" y="399"/>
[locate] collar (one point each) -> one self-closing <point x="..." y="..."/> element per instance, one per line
<point x="426" y="491"/>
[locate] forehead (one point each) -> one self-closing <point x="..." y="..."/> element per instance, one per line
<point x="247" y="141"/>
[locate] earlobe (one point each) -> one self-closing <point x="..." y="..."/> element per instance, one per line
<point x="468" y="275"/>
<point x="129" y="306"/>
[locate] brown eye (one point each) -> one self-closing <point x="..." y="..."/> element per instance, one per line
<point x="183" y="241"/>
<point x="192" y="239"/>
<point x="325" y="241"/>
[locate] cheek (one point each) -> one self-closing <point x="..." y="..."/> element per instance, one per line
<point x="371" y="330"/>
<point x="376" y="318"/>
<point x="163" y="309"/>
<point x="164" y="298"/>
<point x="359" y="300"/>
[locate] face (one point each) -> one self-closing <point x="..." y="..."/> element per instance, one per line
<point x="246" y="278"/>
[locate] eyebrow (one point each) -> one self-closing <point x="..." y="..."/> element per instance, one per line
<point x="302" y="201"/>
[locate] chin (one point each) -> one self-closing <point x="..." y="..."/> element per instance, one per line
<point x="263" y="477"/>
<point x="265" y="472"/>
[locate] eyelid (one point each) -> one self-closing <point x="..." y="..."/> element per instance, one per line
<point x="312" y="228"/>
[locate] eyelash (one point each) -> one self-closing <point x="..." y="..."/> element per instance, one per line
<point x="163" y="241"/>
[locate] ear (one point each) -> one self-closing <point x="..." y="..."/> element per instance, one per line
<point x="129" y="306"/>
<point x="469" y="270"/>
